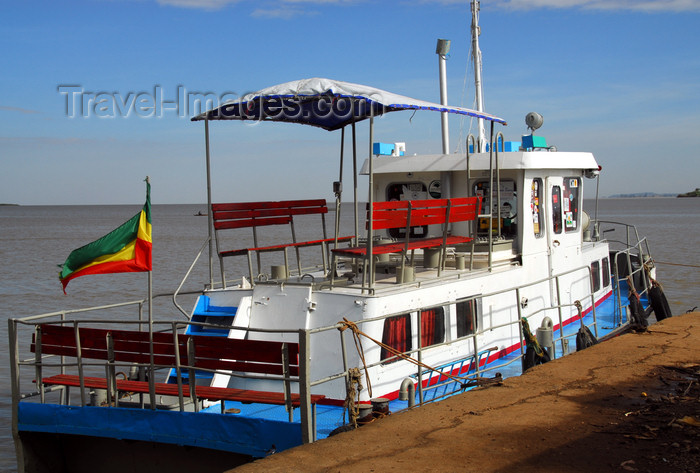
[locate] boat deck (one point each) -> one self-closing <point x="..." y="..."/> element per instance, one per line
<point x="328" y="418"/>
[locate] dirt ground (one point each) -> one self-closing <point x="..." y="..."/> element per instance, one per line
<point x="628" y="404"/>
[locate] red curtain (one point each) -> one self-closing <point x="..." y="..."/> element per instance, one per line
<point x="397" y="334"/>
<point x="427" y="328"/>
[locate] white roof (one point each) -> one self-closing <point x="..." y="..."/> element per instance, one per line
<point x="480" y="161"/>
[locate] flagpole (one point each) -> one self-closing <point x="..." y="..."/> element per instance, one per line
<point x="151" y="371"/>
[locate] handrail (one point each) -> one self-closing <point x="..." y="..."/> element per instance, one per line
<point x="187" y="275"/>
<point x="307" y="335"/>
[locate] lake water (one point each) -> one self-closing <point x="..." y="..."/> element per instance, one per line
<point x="34" y="240"/>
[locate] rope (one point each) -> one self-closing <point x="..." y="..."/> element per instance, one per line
<point x="350" y="404"/>
<point x="358" y="346"/>
<point x="530" y="339"/>
<point x="678" y="264"/>
<point x="347" y="324"/>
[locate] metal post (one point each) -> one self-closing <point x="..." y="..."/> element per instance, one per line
<point x="520" y="325"/>
<point x="151" y="374"/>
<point x="112" y="392"/>
<point x="192" y="375"/>
<point x="64" y="396"/>
<point x="14" y="384"/>
<point x="307" y="421"/>
<point x="476" y="53"/>
<point x="370" y="230"/>
<point x="287" y="383"/>
<point x="420" y="356"/>
<point x="210" y="216"/>
<point x="490" y="230"/>
<point x="338" y="190"/>
<point x="345" y="362"/>
<point x="494" y="144"/>
<point x="561" y="319"/>
<point x="178" y="368"/>
<point x="354" y="181"/>
<point x="37" y="362"/>
<point x="595" y="318"/>
<point x="79" y="357"/>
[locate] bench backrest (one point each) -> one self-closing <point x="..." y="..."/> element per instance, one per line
<point x="396" y="214"/>
<point x="255" y="214"/>
<point x="215" y="353"/>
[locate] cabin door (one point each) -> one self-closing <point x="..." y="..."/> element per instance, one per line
<point x="554" y="231"/>
<point x="563" y="202"/>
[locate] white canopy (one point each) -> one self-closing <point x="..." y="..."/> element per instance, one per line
<point x="325" y="103"/>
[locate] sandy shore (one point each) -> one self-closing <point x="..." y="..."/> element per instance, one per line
<point x="629" y="404"/>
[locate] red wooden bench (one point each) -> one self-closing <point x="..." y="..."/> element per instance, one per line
<point x="259" y="214"/>
<point x="183" y="353"/>
<point x="406" y="214"/>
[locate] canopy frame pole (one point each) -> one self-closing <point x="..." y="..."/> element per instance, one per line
<point x="491" y="209"/>
<point x="370" y="217"/>
<point x="338" y="190"/>
<point x="210" y="216"/>
<point x="354" y="183"/>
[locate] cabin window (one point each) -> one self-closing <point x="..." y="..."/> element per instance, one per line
<point x="432" y="326"/>
<point x="570" y="203"/>
<point x="508" y="211"/>
<point x="606" y="272"/>
<point x="397" y="335"/>
<point x="595" y="275"/>
<point x="556" y="209"/>
<point x="407" y="191"/>
<point x="535" y="206"/>
<point x="466" y="318"/>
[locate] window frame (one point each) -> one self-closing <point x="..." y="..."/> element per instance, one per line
<point x="403" y="345"/>
<point x="606" y="271"/>
<point x="463" y="319"/>
<point x="571" y="203"/>
<point x="557" y="222"/>
<point x="536" y="206"/>
<point x="595" y="275"/>
<point x="438" y="326"/>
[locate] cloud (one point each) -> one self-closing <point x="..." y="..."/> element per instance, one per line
<point x="284" y="12"/>
<point x="272" y="9"/>
<point x="198" y="4"/>
<point x="16" y="109"/>
<point x="610" y="5"/>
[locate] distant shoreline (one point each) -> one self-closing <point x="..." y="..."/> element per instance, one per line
<point x="638" y="195"/>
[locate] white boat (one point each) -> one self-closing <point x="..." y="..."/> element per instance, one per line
<point x="464" y="248"/>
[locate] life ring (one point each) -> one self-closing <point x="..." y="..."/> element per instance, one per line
<point x="658" y="301"/>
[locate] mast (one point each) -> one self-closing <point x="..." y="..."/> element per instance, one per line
<point x="476" y="54"/>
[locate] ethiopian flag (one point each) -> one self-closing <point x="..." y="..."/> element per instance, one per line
<point x="126" y="249"/>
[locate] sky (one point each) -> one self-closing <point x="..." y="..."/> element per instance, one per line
<point x="95" y="95"/>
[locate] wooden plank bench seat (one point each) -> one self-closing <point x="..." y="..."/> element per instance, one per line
<point x="259" y="214"/>
<point x="408" y="214"/>
<point x="170" y="389"/>
<point x="124" y="347"/>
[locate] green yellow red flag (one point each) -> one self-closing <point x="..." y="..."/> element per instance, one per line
<point x="125" y="249"/>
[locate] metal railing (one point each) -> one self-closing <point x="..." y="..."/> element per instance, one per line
<point x="475" y="361"/>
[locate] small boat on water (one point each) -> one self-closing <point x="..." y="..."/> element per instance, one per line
<point x="462" y="268"/>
